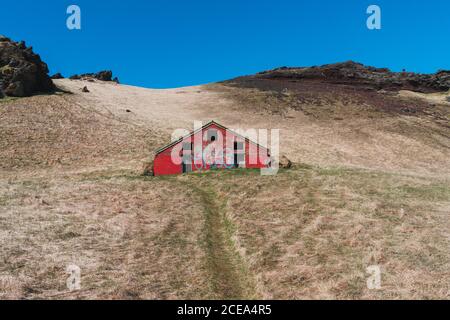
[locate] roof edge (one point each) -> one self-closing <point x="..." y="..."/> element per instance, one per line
<point x="160" y="150"/>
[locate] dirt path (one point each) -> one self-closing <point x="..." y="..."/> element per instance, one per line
<point x="229" y="276"/>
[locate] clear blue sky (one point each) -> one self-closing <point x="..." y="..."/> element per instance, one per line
<point x="171" y="43"/>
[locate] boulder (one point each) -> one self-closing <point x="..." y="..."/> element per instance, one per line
<point x="285" y="163"/>
<point x="15" y="89"/>
<point x="106" y="75"/>
<point x="85" y="89"/>
<point x="22" y="72"/>
<point x="57" y="76"/>
<point x="147" y="168"/>
<point x="4" y="39"/>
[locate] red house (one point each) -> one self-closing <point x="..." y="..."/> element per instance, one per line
<point x="211" y="146"/>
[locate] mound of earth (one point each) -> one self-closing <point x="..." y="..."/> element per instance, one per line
<point x="22" y="72"/>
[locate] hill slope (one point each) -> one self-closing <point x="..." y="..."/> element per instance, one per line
<point x="370" y="187"/>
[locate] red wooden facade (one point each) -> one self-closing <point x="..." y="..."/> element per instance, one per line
<point x="212" y="146"/>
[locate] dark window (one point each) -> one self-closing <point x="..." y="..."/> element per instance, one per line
<point x="212" y="135"/>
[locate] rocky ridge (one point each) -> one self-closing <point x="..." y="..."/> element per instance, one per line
<point x="357" y="74"/>
<point x="22" y="72"/>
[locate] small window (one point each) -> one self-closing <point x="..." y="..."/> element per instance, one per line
<point x="212" y="135"/>
<point x="238" y="145"/>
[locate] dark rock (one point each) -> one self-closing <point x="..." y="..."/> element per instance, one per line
<point x="285" y="163"/>
<point x="116" y="80"/>
<point x="448" y="98"/>
<point x="356" y="75"/>
<point x="85" y="89"/>
<point x="147" y="168"/>
<point x="57" y="76"/>
<point x="15" y="89"/>
<point x="408" y="110"/>
<point x="22" y="72"/>
<point x="102" y="76"/>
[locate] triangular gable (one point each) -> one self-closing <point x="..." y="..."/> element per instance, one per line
<point x="201" y="129"/>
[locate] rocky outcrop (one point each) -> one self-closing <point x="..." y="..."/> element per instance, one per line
<point x="22" y="72"/>
<point x="57" y="76"/>
<point x="358" y="75"/>
<point x="106" y="75"/>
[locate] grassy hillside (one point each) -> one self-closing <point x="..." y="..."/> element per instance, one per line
<point x="306" y="233"/>
<point x="372" y="189"/>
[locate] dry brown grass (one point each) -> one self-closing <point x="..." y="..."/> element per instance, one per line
<point x="132" y="238"/>
<point x="52" y="131"/>
<point x="311" y="233"/>
<point x="337" y="130"/>
<point x="305" y="233"/>
<point x="71" y="193"/>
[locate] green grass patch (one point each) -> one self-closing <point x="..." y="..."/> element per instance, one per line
<point x="433" y="192"/>
<point x="8" y="99"/>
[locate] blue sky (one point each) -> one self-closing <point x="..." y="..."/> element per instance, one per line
<point x="163" y="43"/>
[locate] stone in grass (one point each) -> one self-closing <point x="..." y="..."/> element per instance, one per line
<point x="285" y="163"/>
<point x="147" y="168"/>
